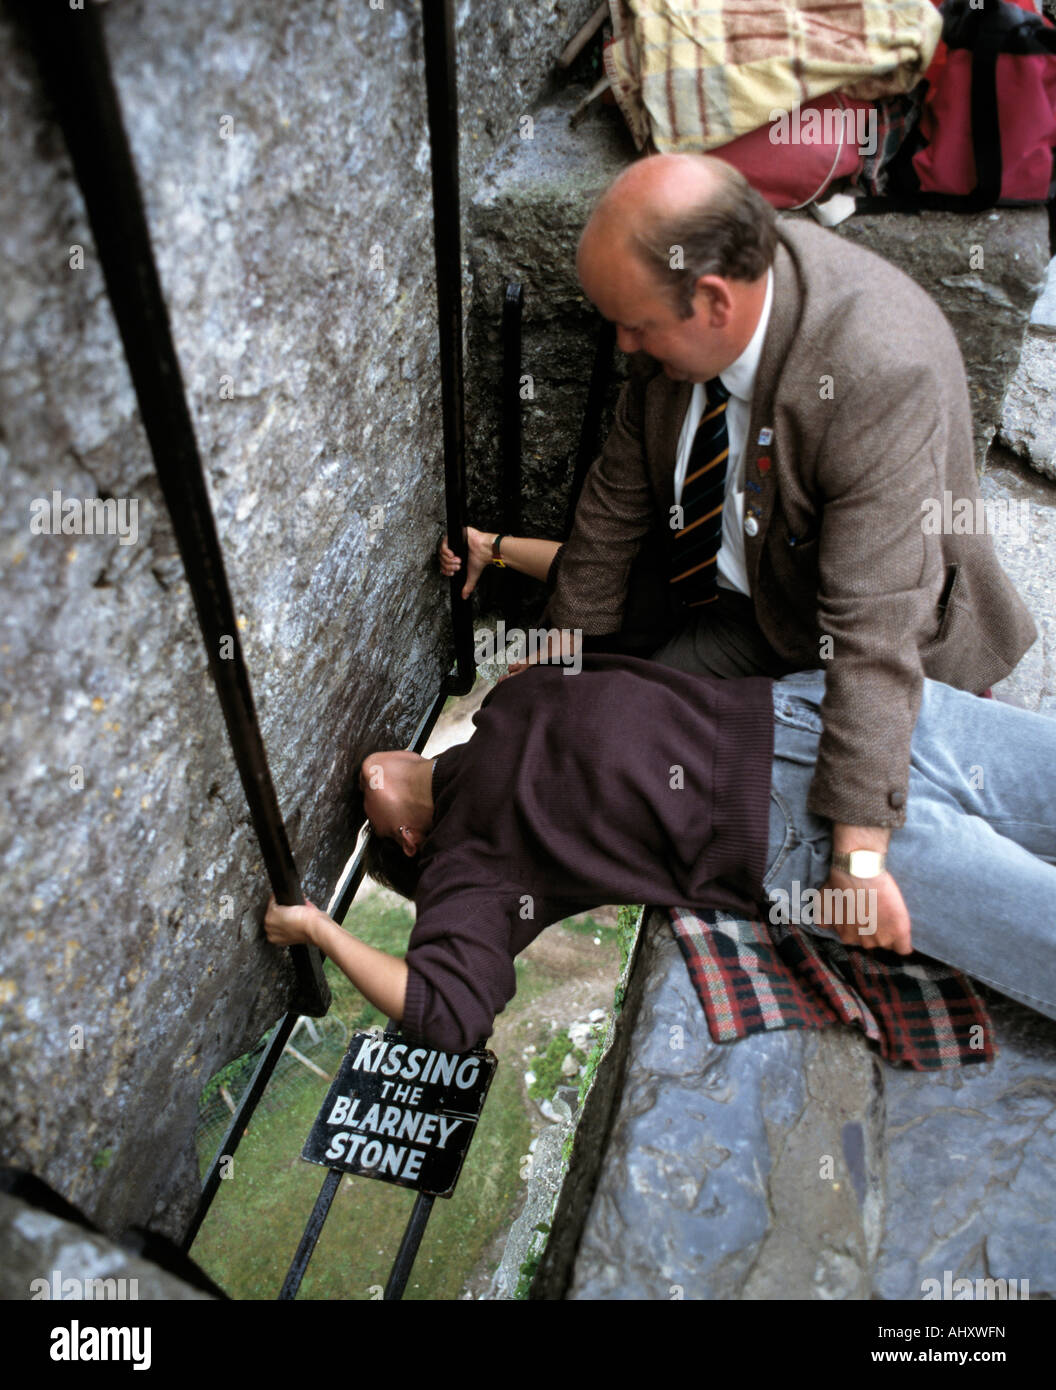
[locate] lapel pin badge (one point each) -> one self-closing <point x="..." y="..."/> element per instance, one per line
<point x="765" y="436"/>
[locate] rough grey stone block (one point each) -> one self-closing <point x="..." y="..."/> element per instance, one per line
<point x="796" y="1165"/>
<point x="524" y="225"/>
<point x="738" y="1171"/>
<point x="1043" y="315"/>
<point x="283" y="157"/>
<point x="44" y="1254"/>
<point x="1025" y="551"/>
<point x="1028" y="414"/>
<point x="971" y="1166"/>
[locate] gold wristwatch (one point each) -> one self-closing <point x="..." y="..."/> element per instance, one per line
<point x="860" y="863"/>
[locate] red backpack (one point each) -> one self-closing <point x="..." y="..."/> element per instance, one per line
<point x="791" y="174"/>
<point x="988" y="125"/>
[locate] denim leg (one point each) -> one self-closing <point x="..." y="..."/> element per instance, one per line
<point x="976" y="859"/>
<point x="800" y="842"/>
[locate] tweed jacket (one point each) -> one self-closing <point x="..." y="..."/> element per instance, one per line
<point x="859" y="423"/>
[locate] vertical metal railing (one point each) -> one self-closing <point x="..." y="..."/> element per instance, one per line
<point x="441" y="88"/>
<point x="600" y="375"/>
<point x="512" y="516"/>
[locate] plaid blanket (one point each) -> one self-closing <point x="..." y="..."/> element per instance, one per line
<point x="752" y="978"/>
<point x="896" y="117"/>
<point x="696" y="74"/>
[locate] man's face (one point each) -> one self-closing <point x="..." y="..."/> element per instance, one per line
<point x="626" y="293"/>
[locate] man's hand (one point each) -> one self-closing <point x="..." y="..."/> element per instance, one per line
<point x="879" y="916"/>
<point x="478" y="545"/>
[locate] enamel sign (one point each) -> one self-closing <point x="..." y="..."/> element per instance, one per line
<point x="401" y="1113"/>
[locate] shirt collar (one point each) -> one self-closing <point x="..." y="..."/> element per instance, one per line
<point x="739" y="377"/>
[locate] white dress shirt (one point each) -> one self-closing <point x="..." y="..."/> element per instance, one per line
<point x="739" y="380"/>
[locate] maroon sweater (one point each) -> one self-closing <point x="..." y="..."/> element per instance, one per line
<point x="628" y="782"/>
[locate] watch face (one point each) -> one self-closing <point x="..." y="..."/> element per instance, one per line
<point x="865" y="863"/>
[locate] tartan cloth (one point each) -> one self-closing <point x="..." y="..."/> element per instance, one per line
<point x="753" y="977"/>
<point x="896" y="118"/>
<point x="695" y="74"/>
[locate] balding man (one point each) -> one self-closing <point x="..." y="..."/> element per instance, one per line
<point x="796" y="410"/>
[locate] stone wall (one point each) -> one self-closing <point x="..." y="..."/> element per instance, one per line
<point x="283" y="156"/>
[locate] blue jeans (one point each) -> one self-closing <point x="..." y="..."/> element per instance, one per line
<point x="976" y="858"/>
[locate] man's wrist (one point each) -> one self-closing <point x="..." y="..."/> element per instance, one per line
<point x="848" y="837"/>
<point x="860" y="851"/>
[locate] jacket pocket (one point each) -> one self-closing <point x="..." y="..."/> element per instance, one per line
<point x="946" y="610"/>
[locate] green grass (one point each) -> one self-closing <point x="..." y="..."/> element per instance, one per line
<point x="547" y="1065"/>
<point x="626" y="925"/>
<point x="586" y="926"/>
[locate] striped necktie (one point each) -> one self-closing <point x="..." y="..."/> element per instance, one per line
<point x="694" y="568"/>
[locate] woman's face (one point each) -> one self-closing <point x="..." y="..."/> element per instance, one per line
<point x="382" y="782"/>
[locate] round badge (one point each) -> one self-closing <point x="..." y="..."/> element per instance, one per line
<point x="751" y="526"/>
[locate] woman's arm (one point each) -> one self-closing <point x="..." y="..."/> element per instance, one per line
<point x="524" y="554"/>
<point x="379" y="977"/>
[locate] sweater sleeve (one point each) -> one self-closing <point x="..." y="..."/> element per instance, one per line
<point x="460" y="970"/>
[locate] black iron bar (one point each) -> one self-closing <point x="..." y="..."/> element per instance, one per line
<point x="588" y="436"/>
<point x="412" y="1238"/>
<point x="512" y="518"/>
<point x="239" y="1122"/>
<point x="75" y="69"/>
<point x="438" y="31"/>
<point x="312" y="1231"/>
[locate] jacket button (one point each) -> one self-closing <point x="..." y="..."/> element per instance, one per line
<point x="896" y="800"/>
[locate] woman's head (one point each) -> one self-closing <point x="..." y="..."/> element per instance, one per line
<point x="387" y="864"/>
<point x="398" y="802"/>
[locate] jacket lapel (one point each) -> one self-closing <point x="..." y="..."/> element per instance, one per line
<point x="763" y="460"/>
<point x="666" y="403"/>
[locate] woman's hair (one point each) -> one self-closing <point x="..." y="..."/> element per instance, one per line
<point x="387" y="864"/>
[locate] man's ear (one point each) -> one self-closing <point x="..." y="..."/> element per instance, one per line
<point x="410" y="840"/>
<point x="713" y="299"/>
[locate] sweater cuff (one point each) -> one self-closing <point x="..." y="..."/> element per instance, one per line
<point x="414" y="1003"/>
